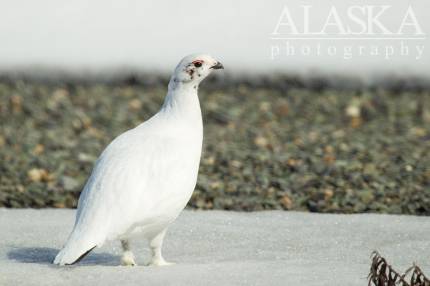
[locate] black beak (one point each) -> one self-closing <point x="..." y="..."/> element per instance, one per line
<point x="217" y="66"/>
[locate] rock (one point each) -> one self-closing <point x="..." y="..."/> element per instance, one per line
<point x="135" y="104"/>
<point x="261" y="141"/>
<point x="39" y="175"/>
<point x="38" y="149"/>
<point x="286" y="202"/>
<point x="69" y="183"/>
<point x="353" y="111"/>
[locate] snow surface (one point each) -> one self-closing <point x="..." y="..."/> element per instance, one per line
<point x="219" y="248"/>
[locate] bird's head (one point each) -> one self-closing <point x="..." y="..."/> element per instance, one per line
<point x="194" y="68"/>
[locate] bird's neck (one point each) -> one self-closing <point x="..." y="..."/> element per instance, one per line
<point x="182" y="100"/>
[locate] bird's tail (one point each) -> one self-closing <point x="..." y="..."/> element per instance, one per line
<point x="75" y="249"/>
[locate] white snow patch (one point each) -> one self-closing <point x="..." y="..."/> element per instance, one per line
<point x="219" y="248"/>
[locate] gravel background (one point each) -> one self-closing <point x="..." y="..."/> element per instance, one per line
<point x="270" y="143"/>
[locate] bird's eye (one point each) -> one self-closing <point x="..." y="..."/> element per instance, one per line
<point x="197" y="64"/>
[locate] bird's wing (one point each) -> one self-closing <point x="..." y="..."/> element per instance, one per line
<point x="132" y="177"/>
<point x="110" y="194"/>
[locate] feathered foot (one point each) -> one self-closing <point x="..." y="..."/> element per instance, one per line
<point x="127" y="258"/>
<point x="156" y="244"/>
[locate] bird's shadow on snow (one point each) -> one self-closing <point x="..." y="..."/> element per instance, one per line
<point x="45" y="255"/>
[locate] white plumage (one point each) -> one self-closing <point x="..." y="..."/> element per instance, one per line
<point x="144" y="177"/>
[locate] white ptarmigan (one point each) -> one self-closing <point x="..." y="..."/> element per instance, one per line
<point x="145" y="177"/>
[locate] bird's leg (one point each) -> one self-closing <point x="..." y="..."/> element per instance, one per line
<point x="155" y="244"/>
<point x="127" y="258"/>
